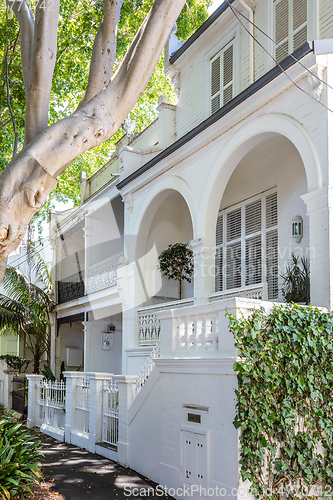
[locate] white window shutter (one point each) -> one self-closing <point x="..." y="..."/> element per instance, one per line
<point x="234" y="221"/>
<point x="228" y="74"/>
<point x="253" y="260"/>
<point x="272" y="263"/>
<point x="253" y="217"/>
<point x="215" y="83"/>
<point x="234" y="266"/>
<point x="272" y="248"/>
<point x="281" y="9"/>
<point x="300" y="14"/>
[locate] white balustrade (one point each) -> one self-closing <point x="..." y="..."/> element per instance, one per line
<point x="110" y="412"/>
<point x="82" y="405"/>
<point x="52" y="402"/>
<point x="103" y="274"/>
<point x="197" y="333"/>
<point x="146" y="369"/>
<point x="150" y="325"/>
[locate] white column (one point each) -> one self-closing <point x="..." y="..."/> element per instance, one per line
<point x="126" y="396"/>
<point x="53" y="336"/>
<point x="33" y="419"/>
<point x="86" y="334"/>
<point x="319" y="209"/>
<point x="71" y="382"/>
<point x="204" y="270"/>
<point x="96" y="408"/>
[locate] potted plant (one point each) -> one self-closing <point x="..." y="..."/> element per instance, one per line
<point x="296" y="286"/>
<point x="176" y="263"/>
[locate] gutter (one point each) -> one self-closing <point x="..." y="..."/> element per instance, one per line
<point x="219" y="11"/>
<point x="236" y="101"/>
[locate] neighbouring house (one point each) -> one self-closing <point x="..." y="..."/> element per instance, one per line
<point x="240" y="168"/>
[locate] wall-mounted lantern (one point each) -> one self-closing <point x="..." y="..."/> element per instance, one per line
<point x="297" y="228"/>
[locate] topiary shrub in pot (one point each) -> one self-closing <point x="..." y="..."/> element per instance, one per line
<point x="176" y="263"/>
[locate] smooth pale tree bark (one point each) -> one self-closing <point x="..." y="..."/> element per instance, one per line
<point x="29" y="178"/>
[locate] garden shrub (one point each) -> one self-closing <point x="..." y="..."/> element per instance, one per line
<point x="285" y="401"/>
<point x="19" y="467"/>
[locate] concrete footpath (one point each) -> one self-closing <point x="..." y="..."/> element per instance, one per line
<point x="77" y="474"/>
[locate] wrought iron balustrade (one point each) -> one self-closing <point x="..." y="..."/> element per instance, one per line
<point x="70" y="288"/>
<point x="103" y="274"/>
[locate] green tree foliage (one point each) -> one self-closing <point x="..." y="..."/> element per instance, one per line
<point x="25" y="310"/>
<point x="176" y="263"/>
<point x="19" y="460"/>
<point x="296" y="280"/>
<point x="284" y="401"/>
<point x="78" y="25"/>
<point x="15" y="362"/>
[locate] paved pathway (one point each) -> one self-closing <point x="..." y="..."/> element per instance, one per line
<point x="77" y="474"/>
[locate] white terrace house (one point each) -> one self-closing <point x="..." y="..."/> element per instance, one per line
<point x="242" y="160"/>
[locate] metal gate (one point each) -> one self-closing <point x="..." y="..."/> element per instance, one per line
<point x="19" y="395"/>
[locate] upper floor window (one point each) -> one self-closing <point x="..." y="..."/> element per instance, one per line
<point x="290" y="22"/>
<point x="222" y="77"/>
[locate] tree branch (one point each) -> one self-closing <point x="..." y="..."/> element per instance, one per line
<point x="16" y="135"/>
<point x="26" y="21"/>
<point x="104" y="51"/>
<point x="30" y="177"/>
<point x="43" y="60"/>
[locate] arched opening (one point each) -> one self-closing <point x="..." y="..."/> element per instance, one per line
<point x="167" y="220"/>
<point x="253" y="230"/>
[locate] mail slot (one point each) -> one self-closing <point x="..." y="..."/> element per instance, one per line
<point x="192" y="417"/>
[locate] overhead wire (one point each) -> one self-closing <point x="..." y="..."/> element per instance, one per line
<point x="235" y="11"/>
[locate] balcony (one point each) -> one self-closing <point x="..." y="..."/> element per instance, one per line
<point x="70" y="288"/>
<point x="103" y="274"/>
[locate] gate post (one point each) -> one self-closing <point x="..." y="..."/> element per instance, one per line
<point x="33" y="419"/>
<point x="126" y="384"/>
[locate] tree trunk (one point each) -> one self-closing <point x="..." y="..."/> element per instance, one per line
<point x="30" y="177"/>
<point x="180" y="289"/>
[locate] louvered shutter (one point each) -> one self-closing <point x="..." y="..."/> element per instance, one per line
<point x="272" y="249"/>
<point x="234" y="266"/>
<point x="281" y="29"/>
<point x="253" y="260"/>
<point x="228" y="74"/>
<point x="219" y="254"/>
<point x="253" y="246"/>
<point x="234" y="250"/>
<point x="215" y="83"/>
<point x="300" y="32"/>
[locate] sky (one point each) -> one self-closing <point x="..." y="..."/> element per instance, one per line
<point x="215" y="5"/>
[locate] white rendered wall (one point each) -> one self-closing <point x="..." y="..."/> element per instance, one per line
<point x="101" y="360"/>
<point x="155" y="430"/>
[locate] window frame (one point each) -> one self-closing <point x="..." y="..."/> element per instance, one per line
<point x="232" y="34"/>
<point x="220" y="55"/>
<point x="263" y="232"/>
<point x="311" y="24"/>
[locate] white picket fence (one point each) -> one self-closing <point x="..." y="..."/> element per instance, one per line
<point x="52" y="402"/>
<point x="110" y="430"/>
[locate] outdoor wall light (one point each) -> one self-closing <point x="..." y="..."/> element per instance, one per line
<point x="297" y="228"/>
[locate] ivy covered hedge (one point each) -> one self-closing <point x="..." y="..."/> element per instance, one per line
<point x="285" y="401"/>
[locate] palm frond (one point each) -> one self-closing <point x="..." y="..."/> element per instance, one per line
<point x="38" y="265"/>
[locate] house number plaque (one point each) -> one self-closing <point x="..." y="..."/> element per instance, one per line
<point x="192" y="417"/>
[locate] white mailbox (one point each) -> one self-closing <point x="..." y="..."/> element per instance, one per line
<point x="73" y="356"/>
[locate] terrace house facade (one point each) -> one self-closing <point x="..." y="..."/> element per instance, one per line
<point x="241" y="169"/>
